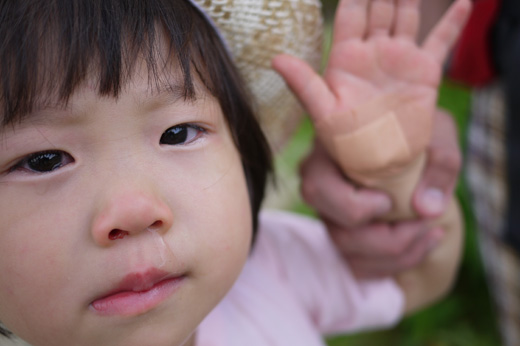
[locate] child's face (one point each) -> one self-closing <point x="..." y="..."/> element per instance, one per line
<point x="106" y="197"/>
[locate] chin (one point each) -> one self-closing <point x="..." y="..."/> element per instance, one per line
<point x="163" y="337"/>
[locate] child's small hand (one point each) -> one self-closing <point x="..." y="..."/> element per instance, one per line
<point x="377" y="73"/>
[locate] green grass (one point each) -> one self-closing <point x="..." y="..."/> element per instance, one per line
<point x="465" y="317"/>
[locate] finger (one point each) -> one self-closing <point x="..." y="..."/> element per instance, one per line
<point x="407" y="19"/>
<point x="413" y="256"/>
<point x="326" y="189"/>
<point x="350" y="21"/>
<point x="434" y="190"/>
<point x="445" y="33"/>
<point x="381" y="17"/>
<point x="308" y="86"/>
<point x="377" y="241"/>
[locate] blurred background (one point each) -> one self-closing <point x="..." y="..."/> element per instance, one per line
<point x="465" y="317"/>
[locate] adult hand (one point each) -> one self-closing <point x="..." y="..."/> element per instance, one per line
<point x="385" y="249"/>
<point x="334" y="196"/>
<point x="372" y="248"/>
<point x="436" y="186"/>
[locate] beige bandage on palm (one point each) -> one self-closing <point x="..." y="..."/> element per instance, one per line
<point x="376" y="147"/>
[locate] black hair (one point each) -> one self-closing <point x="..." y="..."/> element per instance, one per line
<point x="49" y="47"/>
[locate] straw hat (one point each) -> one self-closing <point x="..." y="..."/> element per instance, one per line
<point x="257" y="30"/>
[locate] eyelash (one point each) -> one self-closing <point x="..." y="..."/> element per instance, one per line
<point x="49" y="156"/>
<point x="182" y="138"/>
<point x="175" y="135"/>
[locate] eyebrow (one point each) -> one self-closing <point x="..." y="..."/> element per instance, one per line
<point x="44" y="116"/>
<point x="169" y="94"/>
<point x="157" y="95"/>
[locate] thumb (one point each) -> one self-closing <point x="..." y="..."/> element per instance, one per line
<point x="436" y="186"/>
<point x="431" y="201"/>
<point x="307" y="85"/>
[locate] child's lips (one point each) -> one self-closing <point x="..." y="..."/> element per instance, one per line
<point x="138" y="293"/>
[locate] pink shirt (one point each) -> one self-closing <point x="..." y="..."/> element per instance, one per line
<point x="294" y="289"/>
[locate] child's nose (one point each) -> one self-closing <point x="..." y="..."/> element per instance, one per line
<point x="127" y="214"/>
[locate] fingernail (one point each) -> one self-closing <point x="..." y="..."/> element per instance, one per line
<point x="433" y="200"/>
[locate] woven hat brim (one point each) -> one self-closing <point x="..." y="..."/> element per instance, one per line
<point x="255" y="31"/>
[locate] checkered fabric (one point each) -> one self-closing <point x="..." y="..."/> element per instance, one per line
<point x="486" y="173"/>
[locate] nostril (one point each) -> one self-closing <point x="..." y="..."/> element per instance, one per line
<point x="156" y="225"/>
<point x="117" y="234"/>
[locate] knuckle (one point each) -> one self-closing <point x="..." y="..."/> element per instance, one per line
<point x="360" y="212"/>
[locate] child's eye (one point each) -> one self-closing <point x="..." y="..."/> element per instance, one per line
<point x="43" y="162"/>
<point x="181" y="134"/>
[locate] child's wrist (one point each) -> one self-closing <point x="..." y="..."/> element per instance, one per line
<point x="399" y="184"/>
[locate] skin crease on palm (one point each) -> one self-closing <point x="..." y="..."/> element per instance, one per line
<point x="114" y="172"/>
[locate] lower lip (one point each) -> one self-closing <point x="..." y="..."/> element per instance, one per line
<point x="130" y="303"/>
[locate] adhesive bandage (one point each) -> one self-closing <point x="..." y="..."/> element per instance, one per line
<point x="374" y="148"/>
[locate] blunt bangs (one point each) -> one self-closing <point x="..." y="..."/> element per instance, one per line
<point x="48" y="48"/>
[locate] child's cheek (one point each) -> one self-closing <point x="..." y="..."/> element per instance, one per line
<point x="33" y="259"/>
<point x="208" y="166"/>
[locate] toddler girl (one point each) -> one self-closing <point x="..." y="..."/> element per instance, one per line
<point x="132" y="170"/>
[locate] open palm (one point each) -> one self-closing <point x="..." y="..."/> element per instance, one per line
<point x="375" y="64"/>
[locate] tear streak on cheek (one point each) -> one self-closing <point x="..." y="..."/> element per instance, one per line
<point x="163" y="249"/>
